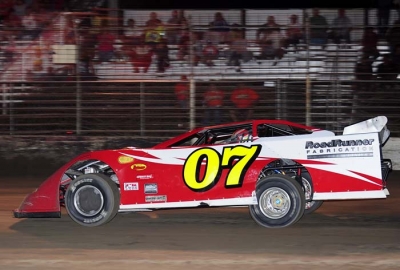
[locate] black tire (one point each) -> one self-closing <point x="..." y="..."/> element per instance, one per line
<point x="92" y="200"/>
<point x="310" y="205"/>
<point x="280" y="202"/>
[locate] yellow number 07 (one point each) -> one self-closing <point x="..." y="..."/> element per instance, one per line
<point x="237" y="159"/>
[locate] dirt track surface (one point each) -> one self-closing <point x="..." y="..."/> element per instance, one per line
<point x="340" y="235"/>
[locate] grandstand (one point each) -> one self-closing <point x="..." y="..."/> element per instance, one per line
<point x="324" y="73"/>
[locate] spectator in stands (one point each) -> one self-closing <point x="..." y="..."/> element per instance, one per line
<point x="341" y="28"/>
<point x="369" y="42"/>
<point x="6" y="8"/>
<point x="271" y="40"/>
<point x="85" y="65"/>
<point x="153" y="21"/>
<point x="265" y="30"/>
<point x="210" y="54"/>
<point x="51" y="75"/>
<point x="212" y="103"/>
<point x="88" y="42"/>
<point x="243" y="101"/>
<point x="141" y="56"/>
<point x="387" y="70"/>
<point x="69" y="32"/>
<point x="363" y="73"/>
<point x="182" y="89"/>
<point x="37" y="60"/>
<point x="19" y="8"/>
<point x="294" y="32"/>
<point x="97" y="20"/>
<point x="271" y="48"/>
<point x="183" y="47"/>
<point x="396" y="57"/>
<point x="318" y="28"/>
<point x="396" y="5"/>
<point x="362" y="84"/>
<point x="198" y="45"/>
<point x="218" y="29"/>
<point x="393" y="36"/>
<point x="132" y="33"/>
<point x="106" y="40"/>
<point x="31" y="27"/>
<point x="155" y="31"/>
<point x="238" y="49"/>
<point x="67" y="73"/>
<point x="383" y="14"/>
<point x="175" y="24"/>
<point x="162" y="53"/>
<point x="9" y="50"/>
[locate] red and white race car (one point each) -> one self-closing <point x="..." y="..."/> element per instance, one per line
<point x="279" y="169"/>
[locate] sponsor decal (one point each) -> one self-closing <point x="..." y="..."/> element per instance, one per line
<point x="202" y="169"/>
<point x="125" y="159"/>
<point x="145" y="176"/>
<point x="138" y="166"/>
<point x="150" y="188"/>
<point x="157" y="198"/>
<point x="99" y="217"/>
<point x="339" y="149"/>
<point x="131" y="186"/>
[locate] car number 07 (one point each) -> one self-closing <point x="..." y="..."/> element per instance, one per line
<point x="236" y="159"/>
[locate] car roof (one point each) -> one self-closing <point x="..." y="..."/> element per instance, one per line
<point x="254" y="123"/>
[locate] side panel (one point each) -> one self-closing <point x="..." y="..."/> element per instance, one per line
<point x="189" y="174"/>
<point x="341" y="167"/>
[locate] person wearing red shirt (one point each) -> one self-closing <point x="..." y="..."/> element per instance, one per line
<point x="369" y="42"/>
<point x="105" y="46"/>
<point x="210" y="53"/>
<point x="243" y="100"/>
<point x="213" y="101"/>
<point x="141" y="57"/>
<point x="182" y="92"/>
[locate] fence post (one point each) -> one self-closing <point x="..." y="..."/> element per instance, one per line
<point x="142" y="109"/>
<point x="78" y="82"/>
<point x="10" y="105"/>
<point x="308" y="83"/>
<point x="278" y="99"/>
<point x="4" y="99"/>
<point x="192" y="109"/>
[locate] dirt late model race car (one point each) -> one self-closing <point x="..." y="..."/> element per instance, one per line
<point x="279" y="169"/>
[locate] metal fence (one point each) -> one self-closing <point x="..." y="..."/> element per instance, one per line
<point x="56" y="81"/>
<point x="150" y="109"/>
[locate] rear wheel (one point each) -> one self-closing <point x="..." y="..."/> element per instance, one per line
<point x="92" y="200"/>
<point x="280" y="202"/>
<point x="310" y="205"/>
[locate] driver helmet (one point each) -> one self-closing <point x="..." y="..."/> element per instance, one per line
<point x="241" y="135"/>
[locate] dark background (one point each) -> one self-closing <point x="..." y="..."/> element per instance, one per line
<point x="242" y="4"/>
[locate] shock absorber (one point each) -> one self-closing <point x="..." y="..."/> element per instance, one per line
<point x="298" y="176"/>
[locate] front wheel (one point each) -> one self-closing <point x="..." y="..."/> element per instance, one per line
<point x="281" y="202"/>
<point x="92" y="200"/>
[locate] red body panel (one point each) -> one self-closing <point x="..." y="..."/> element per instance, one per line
<point x="46" y="197"/>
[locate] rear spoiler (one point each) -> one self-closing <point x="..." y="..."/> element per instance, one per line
<point x="377" y="124"/>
